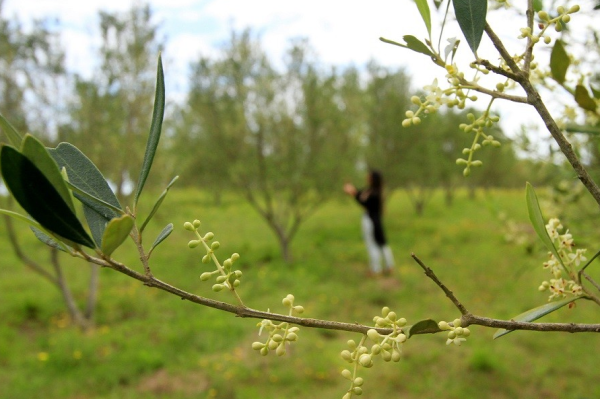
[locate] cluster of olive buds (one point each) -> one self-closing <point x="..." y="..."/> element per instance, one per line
<point x="562" y="17"/>
<point x="226" y="276"/>
<point x="280" y="334"/>
<point x="477" y="126"/>
<point x="456" y="334"/>
<point x="388" y="346"/>
<point x="569" y="260"/>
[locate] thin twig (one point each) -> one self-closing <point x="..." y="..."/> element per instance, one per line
<point x="530" y="43"/>
<point x="497" y="70"/>
<point x="469" y="318"/>
<point x="429" y="273"/>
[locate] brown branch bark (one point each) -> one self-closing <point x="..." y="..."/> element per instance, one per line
<point x="243" y="311"/>
<point x="470" y="319"/>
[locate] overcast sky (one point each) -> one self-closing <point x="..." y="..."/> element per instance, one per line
<point x="343" y="32"/>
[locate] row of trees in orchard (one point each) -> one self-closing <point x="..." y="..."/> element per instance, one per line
<point x="284" y="137"/>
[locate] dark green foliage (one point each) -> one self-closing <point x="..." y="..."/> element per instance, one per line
<point x="39" y="198"/>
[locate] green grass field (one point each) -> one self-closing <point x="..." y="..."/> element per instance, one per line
<point x="148" y="344"/>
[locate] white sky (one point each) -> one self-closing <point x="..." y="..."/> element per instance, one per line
<point x="342" y="32"/>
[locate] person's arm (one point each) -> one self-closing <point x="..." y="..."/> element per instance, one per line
<point x="350" y="189"/>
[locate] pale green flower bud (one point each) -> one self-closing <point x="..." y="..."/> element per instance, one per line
<point x="205" y="276"/>
<point x="386" y="356"/>
<point x="500" y="87"/>
<point x="391" y="316"/>
<point x="273" y="345"/>
<point x="461" y="161"/>
<point x="401" y="322"/>
<point x="543" y="15"/>
<point x="459" y="330"/>
<point x="466" y="332"/>
<point x="409" y="114"/>
<point x="362" y="350"/>
<point x="348" y="395"/>
<point x="496" y="143"/>
<point x="384" y="311"/>
<point x="257" y="346"/>
<point x="235" y="257"/>
<point x="373" y="335"/>
<point x="188" y="226"/>
<point x="286" y="302"/>
<point x="558" y="27"/>
<point x="347" y="374"/>
<point x="416" y="120"/>
<point x="560" y="9"/>
<point x="221" y="279"/>
<point x="291" y="337"/>
<point x="277" y="338"/>
<point x="218" y="287"/>
<point x="193" y="243"/>
<point x="451" y="335"/>
<point x="357" y="391"/>
<point x="358" y="381"/>
<point x="293" y="329"/>
<point x="406" y="122"/>
<point x="236" y="283"/>
<point x="376" y="349"/>
<point x="365" y="360"/>
<point x="280" y="350"/>
<point x="574" y="9"/>
<point x="401" y="338"/>
<point x="476" y="147"/>
<point x="456" y="323"/>
<point x="415" y="100"/>
<point x="351" y="344"/>
<point x="476" y="163"/>
<point x="299" y="309"/>
<point x="196" y="223"/>
<point x="227" y="263"/>
<point x="208" y="236"/>
<point x="443" y="325"/>
<point x="396" y="355"/>
<point x="346" y="355"/>
<point x="238" y="273"/>
<point x="466" y="172"/>
<point x="206" y="259"/>
<point x="215" y="245"/>
<point x="547" y="39"/>
<point x="381" y="322"/>
<point x="264" y="351"/>
<point x="566" y="18"/>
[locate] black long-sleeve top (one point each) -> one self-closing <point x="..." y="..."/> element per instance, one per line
<point x="372" y="203"/>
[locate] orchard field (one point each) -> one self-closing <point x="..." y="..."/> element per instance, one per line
<point x="148" y="344"/>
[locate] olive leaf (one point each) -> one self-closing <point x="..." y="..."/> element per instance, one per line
<point x="38" y="197"/>
<point x="471" y="15"/>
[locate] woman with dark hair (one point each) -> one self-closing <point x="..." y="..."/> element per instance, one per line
<point x="371" y="198"/>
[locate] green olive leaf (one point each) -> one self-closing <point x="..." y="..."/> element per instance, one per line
<point x="155" y="130"/>
<point x="423" y="7"/>
<point x="13" y="136"/>
<point x="471" y="15"/>
<point x="38" y="197"/>
<point x="537" y="313"/>
<point x="559" y="62"/>
<point x="427" y="326"/>
<point x="33" y="149"/>
<point x="166" y="231"/>
<point x="158" y="203"/>
<point x="583" y="99"/>
<point x="116" y="232"/>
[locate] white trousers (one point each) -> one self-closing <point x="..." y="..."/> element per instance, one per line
<point x="375" y="250"/>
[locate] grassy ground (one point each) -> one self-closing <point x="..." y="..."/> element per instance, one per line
<point x="149" y="344"/>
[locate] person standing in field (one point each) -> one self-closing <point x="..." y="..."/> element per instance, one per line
<point x="371" y="198"/>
